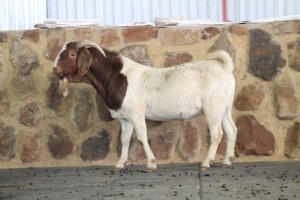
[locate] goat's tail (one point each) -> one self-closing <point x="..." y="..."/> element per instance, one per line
<point x="225" y="57"/>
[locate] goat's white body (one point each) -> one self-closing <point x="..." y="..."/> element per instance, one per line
<point x="175" y="92"/>
<point x="179" y="92"/>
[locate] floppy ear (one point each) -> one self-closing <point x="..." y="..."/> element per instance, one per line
<point x="84" y="61"/>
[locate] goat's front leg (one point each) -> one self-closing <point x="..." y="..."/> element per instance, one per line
<point x="141" y="132"/>
<point x="127" y="129"/>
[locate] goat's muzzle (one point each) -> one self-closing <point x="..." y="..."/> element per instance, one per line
<point x="58" y="72"/>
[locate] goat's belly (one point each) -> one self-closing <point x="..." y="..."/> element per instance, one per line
<point x="166" y="114"/>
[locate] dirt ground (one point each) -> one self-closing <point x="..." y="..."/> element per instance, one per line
<point x="272" y="180"/>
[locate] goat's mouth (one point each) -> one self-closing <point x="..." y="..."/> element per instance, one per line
<point x="58" y="72"/>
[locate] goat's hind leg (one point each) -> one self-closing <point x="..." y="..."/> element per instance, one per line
<point x="216" y="133"/>
<point x="127" y="129"/>
<point x="214" y="114"/>
<point x="231" y="132"/>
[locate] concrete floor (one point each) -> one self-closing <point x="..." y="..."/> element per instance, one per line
<point x="277" y="181"/>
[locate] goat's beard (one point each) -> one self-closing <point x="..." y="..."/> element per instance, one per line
<point x="64" y="86"/>
<point x="64" y="83"/>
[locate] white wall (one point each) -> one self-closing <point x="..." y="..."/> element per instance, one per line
<point x="247" y="10"/>
<point x="23" y="14"/>
<point x="116" y="12"/>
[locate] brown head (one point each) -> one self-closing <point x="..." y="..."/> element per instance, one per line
<point x="73" y="62"/>
<point x="85" y="61"/>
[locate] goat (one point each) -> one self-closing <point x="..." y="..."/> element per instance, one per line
<point x="134" y="92"/>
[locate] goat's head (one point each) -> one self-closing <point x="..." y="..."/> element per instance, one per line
<point x="73" y="62"/>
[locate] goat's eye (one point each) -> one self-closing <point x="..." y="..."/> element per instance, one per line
<point x="72" y="54"/>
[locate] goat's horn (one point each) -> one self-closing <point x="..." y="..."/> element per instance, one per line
<point x="83" y="43"/>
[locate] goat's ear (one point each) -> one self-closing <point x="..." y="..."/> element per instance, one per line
<point x="84" y="61"/>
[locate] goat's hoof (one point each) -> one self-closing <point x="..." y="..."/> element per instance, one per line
<point x="150" y="170"/>
<point x="227" y="165"/>
<point x="231" y="158"/>
<point x="118" y="169"/>
<point x="203" y="168"/>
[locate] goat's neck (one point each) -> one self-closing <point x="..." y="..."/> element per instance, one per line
<point x="110" y="84"/>
<point x="91" y="79"/>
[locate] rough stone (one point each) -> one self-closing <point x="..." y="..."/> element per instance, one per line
<point x="102" y="109"/>
<point x="4" y="101"/>
<point x="56" y="39"/>
<point x="109" y="37"/>
<point x="253" y="138"/>
<point x="221" y="151"/>
<point x="139" y="33"/>
<point x="4" y="67"/>
<point x="286" y="99"/>
<point x="292" y="142"/>
<point x="3" y="73"/>
<point x="83" y="33"/>
<point x="30" y="115"/>
<point x="209" y="32"/>
<point x="249" y="97"/>
<point x="191" y="139"/>
<point x="152" y="123"/>
<point x="239" y="30"/>
<point x="223" y="43"/>
<point x="265" y="55"/>
<point x="24" y="85"/>
<point x="137" y="53"/>
<point x="33" y="35"/>
<point x="7" y="142"/>
<point x="23" y="58"/>
<point x="3" y="37"/>
<point x="177" y="59"/>
<point x="31" y="149"/>
<point x="136" y="150"/>
<point x="61" y="105"/>
<point x="284" y="27"/>
<point x="178" y="36"/>
<point x="294" y="54"/>
<point x="4" y="70"/>
<point x="54" y="47"/>
<point x="97" y="147"/>
<point x="82" y="108"/>
<point x="54" y="97"/>
<point x="162" y="141"/>
<point x="59" y="143"/>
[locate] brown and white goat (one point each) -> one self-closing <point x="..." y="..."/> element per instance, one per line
<point x="134" y="93"/>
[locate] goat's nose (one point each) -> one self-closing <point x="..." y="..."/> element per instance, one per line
<point x="56" y="70"/>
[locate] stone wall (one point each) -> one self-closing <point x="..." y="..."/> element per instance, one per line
<point x="40" y="128"/>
